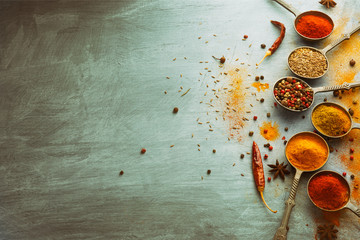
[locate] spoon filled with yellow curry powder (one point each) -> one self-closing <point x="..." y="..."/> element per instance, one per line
<point x="306" y="152"/>
<point x="332" y="120"/>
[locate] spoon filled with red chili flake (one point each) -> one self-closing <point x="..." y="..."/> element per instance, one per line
<point x="296" y="95"/>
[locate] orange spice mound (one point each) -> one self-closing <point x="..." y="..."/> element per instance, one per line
<point x="260" y="86"/>
<point x="269" y="131"/>
<point x="235" y="101"/>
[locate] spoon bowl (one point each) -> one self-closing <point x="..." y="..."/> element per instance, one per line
<point x="346" y="204"/>
<point x="352" y="124"/>
<point x="307" y="88"/>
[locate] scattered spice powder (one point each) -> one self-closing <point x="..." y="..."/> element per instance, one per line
<point x="260" y="86"/>
<point x="272" y="130"/>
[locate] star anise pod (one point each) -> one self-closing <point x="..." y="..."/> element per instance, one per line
<point x="327" y="232"/>
<point x="328" y="3"/>
<point x="279" y="169"/>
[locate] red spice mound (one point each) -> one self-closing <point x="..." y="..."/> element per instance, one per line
<point x="314" y="26"/>
<point x="327" y="191"/>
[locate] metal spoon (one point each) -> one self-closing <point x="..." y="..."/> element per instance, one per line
<point x="281" y="232"/>
<point x="344" y="86"/>
<point x="323" y="52"/>
<point x="353" y="125"/>
<point x="299" y="15"/>
<point x="348" y="204"/>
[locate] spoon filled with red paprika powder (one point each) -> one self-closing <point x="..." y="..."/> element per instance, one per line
<point x="329" y="191"/>
<point x="311" y="25"/>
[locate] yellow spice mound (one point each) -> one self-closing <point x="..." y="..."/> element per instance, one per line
<point x="331" y="120"/>
<point x="307" y="151"/>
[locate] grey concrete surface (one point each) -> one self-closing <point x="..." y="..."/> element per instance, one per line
<point x="82" y="91"/>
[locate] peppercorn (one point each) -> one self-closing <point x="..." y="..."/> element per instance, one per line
<point x="267" y="145"/>
<point x="208" y="171"/>
<point x="286" y="129"/>
<point x="351" y="111"/>
<point x="143" y="150"/>
<point x="266" y="156"/>
<point x="262" y="100"/>
<point x="352" y="176"/>
<point x="257" y="78"/>
<point x="344" y="174"/>
<point x="325" y="99"/>
<point x="222" y="59"/>
<point x="271" y="148"/>
<point x="351" y="157"/>
<point x="255" y="117"/>
<point x="251" y="133"/>
<point x="242" y="156"/>
<point x="262" y="77"/>
<point x="263" y="46"/>
<point x="214" y="150"/>
<point x="175" y="110"/>
<point x="352" y="62"/>
<point x="285" y="142"/>
<point x="269" y="179"/>
<point x="303" y="117"/>
<point x="351" y="150"/>
<point x="268" y="114"/>
<point x="336" y="93"/>
<point x="246" y="36"/>
<point x="121" y="173"/>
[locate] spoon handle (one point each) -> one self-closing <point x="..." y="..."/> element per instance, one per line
<point x="281" y="232"/>
<point x="356" y="126"/>
<point x="344" y="86"/>
<point x="288" y="7"/>
<point x="340" y="40"/>
<point x="353" y="208"/>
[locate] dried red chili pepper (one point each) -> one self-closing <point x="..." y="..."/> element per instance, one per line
<point x="258" y="172"/>
<point x="277" y="42"/>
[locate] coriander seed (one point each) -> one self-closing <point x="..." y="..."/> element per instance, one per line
<point x="263" y="46"/>
<point x="251" y="133"/>
<point x="352" y="62"/>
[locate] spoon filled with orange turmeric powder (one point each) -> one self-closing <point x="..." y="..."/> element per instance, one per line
<point x="306" y="152"/>
<point x="311" y="25"/>
<point x="332" y="120"/>
<point x="329" y="191"/>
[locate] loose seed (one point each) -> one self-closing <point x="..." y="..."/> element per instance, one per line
<point x="271" y="148"/>
<point x="266" y="156"/>
<point x="262" y="100"/>
<point x="268" y="114"/>
<point x="351" y="111"/>
<point x="175" y="110"/>
<point x="121" y="173"/>
<point x="242" y="156"/>
<point x="269" y="179"/>
<point x="344" y="174"/>
<point x="262" y="77"/>
<point x="251" y="133"/>
<point x="257" y="78"/>
<point x="352" y="62"/>
<point x="286" y="129"/>
<point x="352" y="176"/>
<point x="336" y="93"/>
<point x="263" y="46"/>
<point x="246" y="36"/>
<point x="214" y="150"/>
<point x="143" y="150"/>
<point x="208" y="171"/>
<point x="255" y="117"/>
<point x="351" y="157"/>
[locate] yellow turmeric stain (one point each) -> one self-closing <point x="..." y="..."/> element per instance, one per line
<point x="269" y="131"/>
<point x="234" y="101"/>
<point x="340" y="70"/>
<point x="260" y="86"/>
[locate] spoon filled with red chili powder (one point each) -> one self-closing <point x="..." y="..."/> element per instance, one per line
<point x="314" y="26"/>
<point x="311" y="25"/>
<point x="329" y="191"/>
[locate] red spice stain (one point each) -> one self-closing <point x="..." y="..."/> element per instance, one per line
<point x="260" y="86"/>
<point x="332" y="217"/>
<point x="234" y="101"/>
<point x="270" y="131"/>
